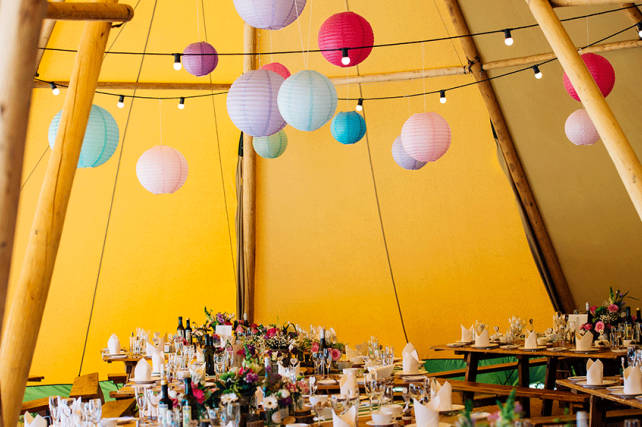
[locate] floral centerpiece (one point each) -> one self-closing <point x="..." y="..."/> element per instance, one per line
<point x="214" y="319"/>
<point x="241" y="382"/>
<point x="608" y="315"/>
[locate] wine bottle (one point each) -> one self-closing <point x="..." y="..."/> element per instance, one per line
<point x="267" y="363"/>
<point x="165" y="403"/>
<point x="188" y="332"/>
<point x="637" y="328"/>
<point x="180" y="331"/>
<point x="588" y="308"/>
<point x="208" y="355"/>
<point x="322" y="340"/>
<point x="189" y="403"/>
<point x="628" y="325"/>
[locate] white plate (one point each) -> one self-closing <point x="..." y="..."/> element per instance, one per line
<point x="619" y="388"/>
<point x="408" y="374"/>
<point x="464" y="342"/>
<point x="590" y="350"/>
<point x="623" y="395"/>
<point x="149" y="381"/>
<point x="440" y="425"/>
<point x="539" y="347"/>
<point x="454" y="408"/>
<point x="327" y="382"/>
<point x="620" y="351"/>
<point x="509" y="346"/>
<point x="117" y="356"/>
<point x="557" y="349"/>
<point x="576" y="379"/>
<point x="485" y="347"/>
<point x="372" y="423"/>
<point x="456" y="344"/>
<point x="411" y="378"/>
<point x="479" y="415"/>
<point x="605" y="383"/>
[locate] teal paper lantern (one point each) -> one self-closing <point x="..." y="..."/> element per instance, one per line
<point x="271" y="147"/>
<point x="348" y="127"/>
<point x="101" y="137"/>
<point x="307" y="100"/>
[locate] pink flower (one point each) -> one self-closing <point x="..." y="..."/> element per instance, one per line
<point x="336" y="354"/>
<point x="239" y="329"/>
<point x="315" y="347"/>
<point x="271" y="332"/>
<point x="599" y="327"/>
<point x="586" y="327"/>
<point x="592" y="310"/>
<point x="198" y="394"/>
<point x="613" y="308"/>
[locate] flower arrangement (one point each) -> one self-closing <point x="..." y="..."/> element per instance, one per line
<point x="241" y="382"/>
<point x="508" y="414"/>
<point x="607" y="315"/>
<point x="214" y="319"/>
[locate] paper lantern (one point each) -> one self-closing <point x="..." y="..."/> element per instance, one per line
<point x="269" y="14"/>
<point x="271" y="147"/>
<point x="162" y="170"/>
<point x="307" y="100"/>
<point x="252" y="103"/>
<point x="346" y="30"/>
<point x="403" y="159"/>
<point x="101" y="137"/>
<point x="425" y="136"/>
<point x="580" y="129"/>
<point x="278" y="68"/>
<point x="602" y="72"/>
<point x="348" y="127"/>
<point x="200" y="59"/>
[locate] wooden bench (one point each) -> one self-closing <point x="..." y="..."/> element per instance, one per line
<point x="611" y="416"/>
<point x="35" y="378"/>
<point x="119" y="408"/>
<point x="118" y="379"/>
<point x="87" y="387"/>
<point x="487" y="369"/>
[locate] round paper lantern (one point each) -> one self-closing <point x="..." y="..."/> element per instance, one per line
<point x="346" y="30"/>
<point x="307" y="100"/>
<point x="579" y="128"/>
<point x="602" y="72"/>
<point x="278" y="68"/>
<point x="271" y="147"/>
<point x="200" y="59"/>
<point x="425" y="136"/>
<point x="252" y="103"/>
<point x="161" y="170"/>
<point x="269" y="14"/>
<point x="403" y="159"/>
<point x="101" y="137"/>
<point x="348" y="127"/>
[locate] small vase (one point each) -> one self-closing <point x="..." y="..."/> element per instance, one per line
<point x="272" y="417"/>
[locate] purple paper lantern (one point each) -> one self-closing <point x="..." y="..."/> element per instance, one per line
<point x="403" y="159"/>
<point x="200" y="59"/>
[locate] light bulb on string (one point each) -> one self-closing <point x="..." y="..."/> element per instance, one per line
<point x="181" y="103"/>
<point x="121" y="101"/>
<point x="538" y="73"/>
<point x="442" y="96"/>
<point x="345" y="59"/>
<point x="508" y="39"/>
<point x="177" y="61"/>
<point x="54" y="88"/>
<point x="359" y="105"/>
<point x="639" y="28"/>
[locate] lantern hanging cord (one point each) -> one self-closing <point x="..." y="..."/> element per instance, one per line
<point x="403" y="43"/>
<point x="298" y="21"/>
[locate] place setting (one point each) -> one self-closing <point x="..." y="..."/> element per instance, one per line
<point x="531" y="342"/>
<point x="410" y="364"/>
<point x="632" y="384"/>
<point x="482" y="338"/>
<point x="595" y="376"/>
<point x="584" y="344"/>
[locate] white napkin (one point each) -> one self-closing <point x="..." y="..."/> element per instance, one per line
<point x="348" y="384"/>
<point x="632" y="380"/>
<point x="158" y="361"/>
<point x="531" y="339"/>
<point x="197" y="372"/>
<point x="594" y="372"/>
<point x="34" y="422"/>
<point x="427" y="415"/>
<point x="482" y="340"/>
<point x="330" y="333"/>
<point x="410" y="363"/>
<point x="466" y="334"/>
<point x="113" y="344"/>
<point x="444" y="393"/>
<point x="368" y="364"/>
<point x="351" y="354"/>
<point x="409" y="348"/>
<point x="585" y="342"/>
<point x="381" y="371"/>
<point x="362" y="348"/>
<point x="346" y="420"/>
<point x="143" y="371"/>
<point x="200" y="357"/>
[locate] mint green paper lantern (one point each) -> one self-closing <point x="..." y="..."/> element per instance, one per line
<point x="271" y="147"/>
<point x="101" y="137"/>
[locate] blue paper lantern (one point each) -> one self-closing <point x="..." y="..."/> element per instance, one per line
<point x="101" y="137"/>
<point x="348" y="127"/>
<point x="307" y="100"/>
<point x="271" y="147"/>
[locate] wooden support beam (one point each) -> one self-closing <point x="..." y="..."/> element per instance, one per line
<point x="25" y="314"/>
<point x="615" y="142"/>
<point x="512" y="159"/>
<point x="45" y="34"/>
<point x="101" y="12"/>
<point x="633" y="13"/>
<point x="563" y="3"/>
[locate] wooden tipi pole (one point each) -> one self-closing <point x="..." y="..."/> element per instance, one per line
<point x="45" y="34"/>
<point x="25" y="314"/>
<point x="615" y="142"/>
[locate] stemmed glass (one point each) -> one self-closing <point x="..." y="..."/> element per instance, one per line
<point x="141" y="401"/>
<point x="95" y="411"/>
<point x="367" y="386"/>
<point x="153" y="397"/>
<point x="313" y="385"/>
<point x="327" y="353"/>
<point x="54" y="409"/>
<point x="219" y="363"/>
<point x="405" y="394"/>
<point x="66" y="410"/>
<point x="378" y="388"/>
<point x="318" y="410"/>
<point x="416" y="391"/>
<point x="232" y="413"/>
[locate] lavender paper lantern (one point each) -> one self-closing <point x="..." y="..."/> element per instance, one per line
<point x="269" y="14"/>
<point x="271" y="147"/>
<point x="425" y="136"/>
<point x="580" y="129"/>
<point x="252" y="103"/>
<point x="307" y="100"/>
<point x="161" y="170"/>
<point x="200" y="59"/>
<point x="278" y="68"/>
<point x="348" y="127"/>
<point x="403" y="159"/>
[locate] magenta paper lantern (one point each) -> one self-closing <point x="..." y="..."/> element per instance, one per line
<point x="278" y="68"/>
<point x="580" y="129"/>
<point x="403" y="159"/>
<point x="161" y="170"/>
<point x="269" y="14"/>
<point x="200" y="59"/>
<point x="602" y="72"/>
<point x="346" y="30"/>
<point x="425" y="136"/>
<point x="252" y="103"/>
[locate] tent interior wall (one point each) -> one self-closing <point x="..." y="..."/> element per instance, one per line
<point x="454" y="242"/>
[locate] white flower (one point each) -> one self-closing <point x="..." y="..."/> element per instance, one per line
<point x="284" y="393"/>
<point x="270" y="402"/>
<point x="229" y="398"/>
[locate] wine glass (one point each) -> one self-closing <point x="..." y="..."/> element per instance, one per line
<point x="378" y="388"/>
<point x="405" y="394"/>
<point x="327" y="353"/>
<point x="416" y="391"/>
<point x="66" y="410"/>
<point x="367" y="386"/>
<point x="313" y="385"/>
<point x="153" y="397"/>
<point x="54" y="409"/>
<point x="141" y="401"/>
<point x="340" y="404"/>
<point x="318" y="410"/>
<point x="219" y="363"/>
<point x="95" y="411"/>
<point x="233" y="414"/>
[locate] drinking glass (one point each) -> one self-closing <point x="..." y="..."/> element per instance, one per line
<point x="416" y="390"/>
<point x="367" y="387"/>
<point x="614" y="339"/>
<point x="340" y="404"/>
<point x="405" y="394"/>
<point x="632" y="423"/>
<point x="95" y="411"/>
<point x="318" y="410"/>
<point x="327" y="354"/>
<point x="66" y="411"/>
<point x="54" y="409"/>
<point x="153" y="397"/>
<point x="141" y="401"/>
<point x="232" y="414"/>
<point x="378" y="386"/>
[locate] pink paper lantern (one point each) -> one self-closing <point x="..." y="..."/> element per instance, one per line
<point x="161" y="170"/>
<point x="200" y="59"/>
<point x="403" y="159"/>
<point x="278" y="68"/>
<point x="425" y="136"/>
<point x="580" y="129"/>
<point x="346" y="30"/>
<point x="269" y="14"/>
<point x="602" y="72"/>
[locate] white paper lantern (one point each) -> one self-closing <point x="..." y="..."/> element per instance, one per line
<point x="252" y="103"/>
<point x="580" y="129"/>
<point x="425" y="136"/>
<point x="307" y="100"/>
<point x="269" y="14"/>
<point x="403" y="159"/>
<point x="162" y="170"/>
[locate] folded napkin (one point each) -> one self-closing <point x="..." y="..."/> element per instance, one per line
<point x="330" y="334"/>
<point x="466" y="334"/>
<point x="632" y="380"/>
<point x="368" y="364"/>
<point x="381" y="371"/>
<point x="409" y="348"/>
<point x="362" y="348"/>
<point x="531" y="339"/>
<point x="150" y="346"/>
<point x="113" y="344"/>
<point x="34" y="422"/>
<point x="353" y="355"/>
<point x="158" y="361"/>
<point x="594" y="372"/>
<point x="200" y="357"/>
<point x="583" y="342"/>
<point x="348" y="385"/>
<point x="427" y="415"/>
<point x="444" y="393"/>
<point x="411" y="363"/>
<point x="482" y="340"/>
<point x="349" y="419"/>
<point x="197" y="372"/>
<point x="143" y="371"/>
<point x="283" y="371"/>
